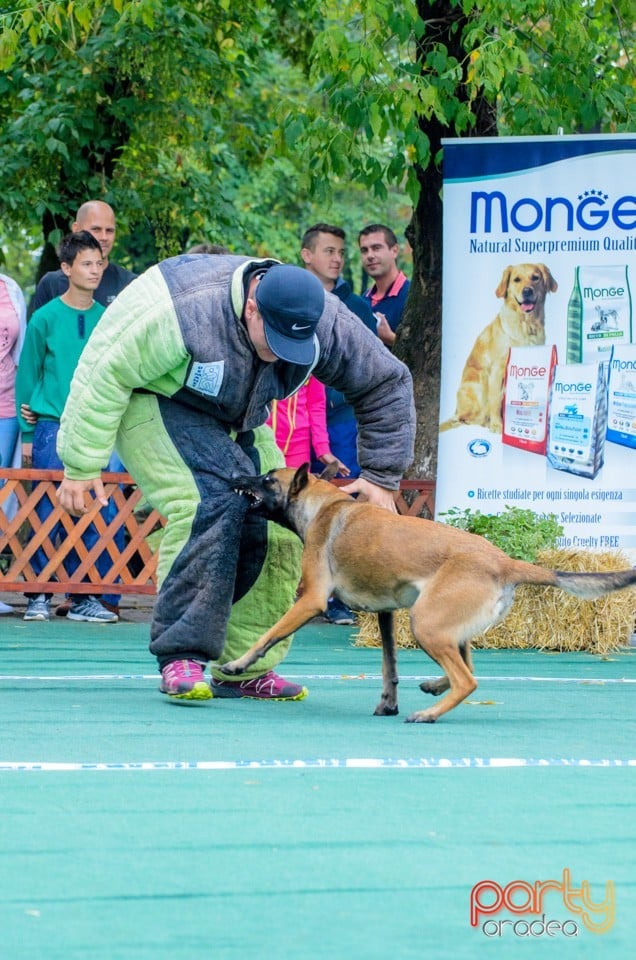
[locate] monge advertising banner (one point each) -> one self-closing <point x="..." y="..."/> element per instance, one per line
<point x="538" y="398"/>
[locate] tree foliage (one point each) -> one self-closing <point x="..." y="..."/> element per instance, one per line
<point x="379" y="69"/>
<point x="168" y="111"/>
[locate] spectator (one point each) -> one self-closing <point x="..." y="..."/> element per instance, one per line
<point x="379" y="251"/>
<point x="323" y="253"/>
<point x="97" y="218"/>
<point x="55" y="338"/>
<point x="181" y="371"/>
<point x="12" y="330"/>
<point x="300" y="426"/>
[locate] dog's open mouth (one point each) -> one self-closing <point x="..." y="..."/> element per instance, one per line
<point x="527" y="305"/>
<point x="255" y="500"/>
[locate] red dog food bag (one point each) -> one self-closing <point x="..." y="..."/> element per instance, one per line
<point x="526" y="398"/>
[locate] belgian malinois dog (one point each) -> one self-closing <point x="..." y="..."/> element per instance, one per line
<point x="455" y="584"/>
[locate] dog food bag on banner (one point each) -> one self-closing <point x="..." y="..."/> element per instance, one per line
<point x="578" y="419"/>
<point x="599" y="313"/>
<point x="621" y="396"/>
<point x="526" y="400"/>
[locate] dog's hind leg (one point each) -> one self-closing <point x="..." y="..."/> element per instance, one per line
<point x="436" y="625"/>
<point x="388" y="705"/>
<point x="461" y="682"/>
<point x="442" y="684"/>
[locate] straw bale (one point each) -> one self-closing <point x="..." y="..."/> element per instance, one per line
<point x="542" y="617"/>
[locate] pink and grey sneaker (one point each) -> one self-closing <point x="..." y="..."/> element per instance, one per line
<point x="268" y="687"/>
<point x="184" y="680"/>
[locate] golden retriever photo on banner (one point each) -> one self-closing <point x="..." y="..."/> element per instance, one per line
<point x="519" y="323"/>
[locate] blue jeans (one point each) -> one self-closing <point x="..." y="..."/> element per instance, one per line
<point x="45" y="458"/>
<point x="8" y="438"/>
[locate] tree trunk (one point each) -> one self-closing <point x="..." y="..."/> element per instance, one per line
<point x="419" y="339"/>
<point x="48" y="257"/>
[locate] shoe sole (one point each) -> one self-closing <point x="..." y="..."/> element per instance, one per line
<point x="200" y="691"/>
<point x="36" y="616"/>
<point x="226" y="695"/>
<point x="83" y="619"/>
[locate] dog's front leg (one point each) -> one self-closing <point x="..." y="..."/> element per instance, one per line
<point x="388" y="705"/>
<point x="297" y="616"/>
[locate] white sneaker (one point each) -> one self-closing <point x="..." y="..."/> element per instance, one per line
<point x="6" y="608"/>
<point x="90" y="610"/>
<point x="38" y="608"/>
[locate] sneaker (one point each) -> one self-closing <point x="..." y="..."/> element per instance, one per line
<point x="268" y="687"/>
<point x="338" y="613"/>
<point x="6" y="607"/>
<point x="38" y="608"/>
<point x="184" y="680"/>
<point x="90" y="610"/>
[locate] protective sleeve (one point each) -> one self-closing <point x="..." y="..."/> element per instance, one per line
<point x="136" y="344"/>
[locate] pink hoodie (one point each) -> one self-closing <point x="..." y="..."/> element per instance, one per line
<point x="300" y="424"/>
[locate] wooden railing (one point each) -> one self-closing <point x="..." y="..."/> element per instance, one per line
<point x="133" y="567"/>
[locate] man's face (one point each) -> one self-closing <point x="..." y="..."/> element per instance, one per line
<point x="85" y="273"/>
<point x="99" y="220"/>
<point x="255" y="326"/>
<point x="378" y="258"/>
<point x="326" y="259"/>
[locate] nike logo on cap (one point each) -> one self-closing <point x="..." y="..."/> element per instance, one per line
<point x="298" y="326"/>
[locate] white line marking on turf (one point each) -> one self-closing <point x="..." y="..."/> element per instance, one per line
<point x="375" y="678"/>
<point x="349" y="763"/>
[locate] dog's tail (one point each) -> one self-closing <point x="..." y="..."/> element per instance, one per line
<point x="448" y="424"/>
<point x="585" y="586"/>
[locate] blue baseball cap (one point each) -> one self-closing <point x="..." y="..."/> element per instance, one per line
<point x="291" y="301"/>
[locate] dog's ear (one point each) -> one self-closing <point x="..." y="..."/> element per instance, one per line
<point x="503" y="283"/>
<point x="330" y="471"/>
<point x="550" y="283"/>
<point x="299" y="481"/>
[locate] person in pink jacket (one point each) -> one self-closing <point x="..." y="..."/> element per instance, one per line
<point x="300" y="426"/>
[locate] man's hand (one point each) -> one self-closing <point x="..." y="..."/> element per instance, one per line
<point x="379" y="496"/>
<point x="385" y="333"/>
<point x="70" y="494"/>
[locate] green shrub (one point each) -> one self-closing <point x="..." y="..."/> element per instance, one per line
<point x="519" y="533"/>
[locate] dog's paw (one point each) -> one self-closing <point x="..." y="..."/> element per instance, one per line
<point x="421" y="716"/>
<point x="230" y="669"/>
<point x="384" y="710"/>
<point x="435" y="687"/>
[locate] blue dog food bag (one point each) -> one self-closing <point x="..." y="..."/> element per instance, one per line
<point x="578" y="419"/>
<point x="621" y="396"/>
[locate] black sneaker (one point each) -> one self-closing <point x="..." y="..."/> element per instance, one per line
<point x="339" y="613"/>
